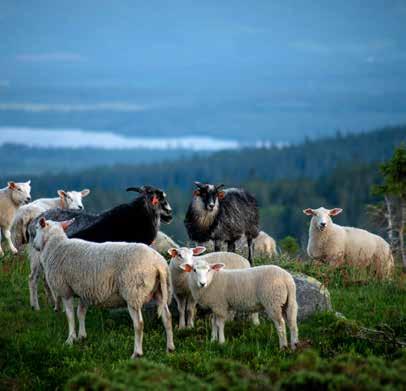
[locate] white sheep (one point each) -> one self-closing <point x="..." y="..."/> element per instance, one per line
<point x="181" y="290"/>
<point x="268" y="288"/>
<point x="104" y="274"/>
<point x="23" y="217"/>
<point x="353" y="246"/>
<point x="11" y="198"/>
<point x="66" y="200"/>
<point x="163" y="242"/>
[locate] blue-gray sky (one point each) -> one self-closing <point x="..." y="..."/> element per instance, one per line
<point x="272" y="69"/>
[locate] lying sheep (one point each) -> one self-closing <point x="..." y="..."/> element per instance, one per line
<point x="11" y="198"/>
<point x="268" y="288"/>
<point x="104" y="274"/>
<point x="181" y="291"/>
<point x="336" y="244"/>
<point x="27" y="213"/>
<point x="163" y="242"/>
<point x="66" y="200"/>
<point x="222" y="216"/>
<point x="264" y="245"/>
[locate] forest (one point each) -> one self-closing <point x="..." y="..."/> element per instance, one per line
<point x="330" y="172"/>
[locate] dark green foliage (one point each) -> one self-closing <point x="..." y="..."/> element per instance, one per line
<point x="336" y="353"/>
<point x="289" y="245"/>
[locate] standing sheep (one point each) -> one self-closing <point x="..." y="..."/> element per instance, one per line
<point x="181" y="290"/>
<point x="104" y="274"/>
<point x="268" y="288"/>
<point x="137" y="221"/>
<point x="222" y="216"/>
<point x="264" y="245"/>
<point x="336" y="244"/>
<point x="11" y="198"/>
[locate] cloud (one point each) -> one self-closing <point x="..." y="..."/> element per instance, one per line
<point x="76" y="138"/>
<point x="67" y="108"/>
<point x="51" y="57"/>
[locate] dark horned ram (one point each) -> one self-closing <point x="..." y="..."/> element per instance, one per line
<point x="222" y="215"/>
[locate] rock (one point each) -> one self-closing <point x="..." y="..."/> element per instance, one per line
<point x="312" y="296"/>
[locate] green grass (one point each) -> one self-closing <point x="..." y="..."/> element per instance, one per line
<point x="336" y="353"/>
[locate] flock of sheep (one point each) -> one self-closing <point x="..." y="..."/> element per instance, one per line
<point x="113" y="259"/>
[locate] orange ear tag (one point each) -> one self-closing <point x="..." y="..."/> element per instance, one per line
<point x="154" y="200"/>
<point x="221" y="195"/>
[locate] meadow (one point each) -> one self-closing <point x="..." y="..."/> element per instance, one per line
<point x="364" y="350"/>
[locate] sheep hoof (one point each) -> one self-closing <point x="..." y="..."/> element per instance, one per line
<point x="70" y="340"/>
<point x="35" y="308"/>
<point x="136" y="355"/>
<point x="170" y="349"/>
<point x="82" y="337"/>
<point x="14" y="251"/>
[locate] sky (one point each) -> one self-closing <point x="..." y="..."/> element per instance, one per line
<point x="270" y="69"/>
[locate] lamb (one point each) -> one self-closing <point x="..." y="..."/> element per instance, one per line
<point x="335" y="244"/>
<point x="163" y="242"/>
<point x="222" y="216"/>
<point x="11" y="198"/>
<point x="26" y="213"/>
<point x="104" y="274"/>
<point x="137" y="221"/>
<point x="181" y="291"/>
<point x="268" y="288"/>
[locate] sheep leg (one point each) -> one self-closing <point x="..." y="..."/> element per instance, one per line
<point x="81" y="314"/>
<point x="231" y="247"/>
<point x="167" y="321"/>
<point x="33" y="285"/>
<point x="255" y="319"/>
<point x="217" y="245"/>
<point x="7" y="235"/>
<point x="138" y="323"/>
<point x="181" y="302"/>
<point x="70" y="314"/>
<point x="277" y="318"/>
<point x="250" y="249"/>
<point x="214" y="330"/>
<point x="291" y="317"/>
<point x="191" y="311"/>
<point x="220" y="321"/>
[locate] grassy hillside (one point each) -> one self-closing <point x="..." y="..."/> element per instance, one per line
<point x="335" y="353"/>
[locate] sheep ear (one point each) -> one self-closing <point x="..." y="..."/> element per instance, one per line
<point x="308" y="212"/>
<point x="62" y="193"/>
<point x="218" y="187"/>
<point x="199" y="250"/>
<point x="186" y="267"/>
<point x="335" y="211"/>
<point x="217" y="266"/>
<point x="11" y="185"/>
<point x="154" y="200"/>
<point x="196" y="193"/>
<point x="29" y="182"/>
<point x="42" y="222"/>
<point x="221" y="195"/>
<point x="65" y="224"/>
<point x="85" y="192"/>
<point x="199" y="184"/>
<point x="173" y="252"/>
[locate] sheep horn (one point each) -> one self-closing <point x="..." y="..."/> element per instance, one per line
<point x="199" y="185"/>
<point x="218" y="187"/>
<point x="137" y="189"/>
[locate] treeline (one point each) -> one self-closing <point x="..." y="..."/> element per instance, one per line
<point x="329" y="172"/>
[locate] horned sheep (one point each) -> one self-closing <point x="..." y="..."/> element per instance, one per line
<point x="12" y="197"/>
<point x="104" y="274"/>
<point x="222" y="216"/>
<point x="181" y="290"/>
<point x="268" y="288"/>
<point x="336" y="244"/>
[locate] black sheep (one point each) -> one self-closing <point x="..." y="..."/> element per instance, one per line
<point x="222" y="216"/>
<point x="137" y="221"/>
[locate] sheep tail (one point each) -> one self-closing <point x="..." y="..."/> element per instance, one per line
<point x="163" y="282"/>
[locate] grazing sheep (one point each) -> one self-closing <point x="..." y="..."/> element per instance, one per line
<point x="336" y="244"/>
<point x="181" y="291"/>
<point x="222" y="216"/>
<point x="137" y="221"/>
<point x="104" y="274"/>
<point x="11" y="198"/>
<point x="25" y="214"/>
<point x="268" y="288"/>
<point x="162" y="243"/>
